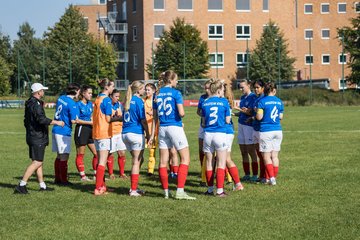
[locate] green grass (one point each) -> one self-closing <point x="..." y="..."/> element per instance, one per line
<point x="317" y="196"/>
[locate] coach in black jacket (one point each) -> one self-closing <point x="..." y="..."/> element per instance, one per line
<point x="37" y="136"/>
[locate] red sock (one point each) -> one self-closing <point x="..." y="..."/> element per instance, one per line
<point x="182" y="174"/>
<point x="134" y="181"/>
<point x="262" y="165"/>
<point x="210" y="178"/>
<point x="246" y="167"/>
<point x="176" y="169"/>
<point x="234" y="173"/>
<point x="94" y="162"/>
<point x="171" y="168"/>
<point x="121" y="162"/>
<point x="164" y="177"/>
<point x="110" y="164"/>
<point x="276" y="170"/>
<point x="100" y="173"/>
<point x="270" y="170"/>
<point x="220" y="177"/>
<point x="79" y="161"/>
<point x="63" y="171"/>
<point x="255" y="168"/>
<point x="57" y="170"/>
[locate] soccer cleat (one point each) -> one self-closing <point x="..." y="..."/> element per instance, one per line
<point x="272" y="181"/>
<point x="253" y="179"/>
<point x="136" y="193"/>
<point x="112" y="177"/>
<point x="239" y="187"/>
<point x="86" y="179"/>
<point x="207" y="193"/>
<point x="221" y="195"/>
<point x="21" y="189"/>
<point x="123" y="176"/>
<point x="245" y="178"/>
<point x="183" y="196"/>
<point x="100" y="192"/>
<point x="47" y="189"/>
<point x="149" y="174"/>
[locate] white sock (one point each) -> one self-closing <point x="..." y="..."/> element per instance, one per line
<point x="22" y="183"/>
<point x="210" y="189"/>
<point x="166" y="192"/>
<point x="219" y="190"/>
<point x="180" y="190"/>
<point x="42" y="185"/>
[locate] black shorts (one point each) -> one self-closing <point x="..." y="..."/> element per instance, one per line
<point x="37" y="152"/>
<point x="83" y="135"/>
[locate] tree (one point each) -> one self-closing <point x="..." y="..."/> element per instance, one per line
<point x="264" y="59"/>
<point x="181" y="40"/>
<point x="5" y="47"/>
<point x="5" y="73"/>
<point x="351" y="36"/>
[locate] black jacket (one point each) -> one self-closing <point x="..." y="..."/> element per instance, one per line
<point x="35" y="122"/>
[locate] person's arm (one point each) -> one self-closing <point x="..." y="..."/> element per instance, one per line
<point x="259" y="114"/>
<point x="83" y="122"/>
<point x="181" y="110"/>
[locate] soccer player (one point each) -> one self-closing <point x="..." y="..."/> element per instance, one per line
<point x="169" y="110"/>
<point x="83" y="131"/>
<point x="245" y="132"/>
<point x="66" y="111"/>
<point x="102" y="132"/>
<point x="37" y="136"/>
<point x="216" y="116"/>
<point x="270" y="111"/>
<point x="134" y="126"/>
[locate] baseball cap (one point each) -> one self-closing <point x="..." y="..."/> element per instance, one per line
<point x="37" y="87"/>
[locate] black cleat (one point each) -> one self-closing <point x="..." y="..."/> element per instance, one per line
<point x="47" y="189"/>
<point x="21" y="189"/>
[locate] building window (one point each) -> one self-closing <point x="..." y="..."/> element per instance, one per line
<point x="134" y="6"/>
<point x="158" y="30"/>
<point x="325" y="59"/>
<point x="357" y="7"/>
<point x="215" y="5"/>
<point x="308" y="8"/>
<point x="243" y="5"/>
<point x="102" y="21"/>
<point x="309" y="59"/>
<point x="159" y="5"/>
<point x="325" y="33"/>
<point x="135" y="34"/>
<point x="309" y="34"/>
<point x="342" y="84"/>
<point x="86" y="20"/>
<point x="135" y="61"/>
<point x="102" y="2"/>
<point x="241" y="59"/>
<point x="325" y="8"/>
<point x="216" y="60"/>
<point x="341" y="7"/>
<point x="342" y="58"/>
<point x="216" y="31"/>
<point x="185" y="5"/>
<point x="243" y="32"/>
<point x="265" y="5"/>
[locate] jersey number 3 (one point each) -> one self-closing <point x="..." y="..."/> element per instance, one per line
<point x="213" y="114"/>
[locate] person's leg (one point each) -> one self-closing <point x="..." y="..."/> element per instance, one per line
<point x="21" y="187"/>
<point x="209" y="172"/>
<point x="94" y="161"/>
<point x="100" y="172"/>
<point x="254" y="164"/>
<point x="135" y="170"/>
<point x="164" y="159"/>
<point x="152" y="161"/>
<point x="121" y="163"/>
<point x="234" y="172"/>
<point x="245" y="161"/>
<point x="220" y="171"/>
<point x="64" y="157"/>
<point x="79" y="161"/>
<point x="275" y="161"/>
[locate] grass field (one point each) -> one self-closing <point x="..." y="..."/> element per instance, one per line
<point x="317" y="196"/>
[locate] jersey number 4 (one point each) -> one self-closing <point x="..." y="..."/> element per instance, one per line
<point x="274" y="114"/>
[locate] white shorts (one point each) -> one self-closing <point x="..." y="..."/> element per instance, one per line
<point x="102" y="144"/>
<point x="134" y="141"/>
<point x="61" y="144"/>
<point x="172" y="136"/>
<point x="215" y="141"/>
<point x="229" y="140"/>
<point x="245" y="134"/>
<point x="117" y="143"/>
<point x="270" y="141"/>
<point x="256" y="136"/>
<point x="201" y="132"/>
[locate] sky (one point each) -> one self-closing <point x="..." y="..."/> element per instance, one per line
<point x="40" y="14"/>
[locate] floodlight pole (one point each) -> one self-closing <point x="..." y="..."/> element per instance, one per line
<point x="342" y="63"/>
<point x="184" y="60"/>
<point x="279" y="76"/>
<point x="152" y="61"/>
<point x="312" y="60"/>
<point x="216" y="60"/>
<point x="43" y="63"/>
<point x="247" y="59"/>
<point x="18" y="75"/>
<point x="70" y="67"/>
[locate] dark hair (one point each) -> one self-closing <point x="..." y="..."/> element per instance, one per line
<point x="72" y="88"/>
<point x="105" y="82"/>
<point x="168" y="76"/>
<point x="259" y="82"/>
<point x="83" y="89"/>
<point x="114" y="91"/>
<point x="269" y="87"/>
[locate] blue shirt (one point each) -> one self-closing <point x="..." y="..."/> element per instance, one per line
<point x="66" y="110"/>
<point x="201" y="101"/>
<point x="256" y="123"/>
<point x="118" y="105"/>
<point x="215" y="110"/>
<point x="105" y="105"/>
<point x="85" y="110"/>
<point x="230" y="126"/>
<point x="132" y="118"/>
<point x="247" y="102"/>
<point x="166" y="106"/>
<point x="272" y="106"/>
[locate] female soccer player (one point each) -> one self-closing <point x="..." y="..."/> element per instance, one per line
<point x="216" y="116"/>
<point x="269" y="112"/>
<point x="169" y="110"/>
<point x="102" y="132"/>
<point x="117" y="144"/>
<point x="134" y="126"/>
<point x="66" y="111"/>
<point x="83" y="131"/>
<point x="245" y="132"/>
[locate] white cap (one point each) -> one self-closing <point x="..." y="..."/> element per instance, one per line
<point x="37" y="87"/>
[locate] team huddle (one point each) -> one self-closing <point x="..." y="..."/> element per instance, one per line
<point x="108" y="127"/>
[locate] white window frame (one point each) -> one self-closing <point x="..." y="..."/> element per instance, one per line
<point x="114" y="7"/>
<point x="216" y="10"/>
<point x="357" y="3"/>
<point x="345" y="55"/>
<point x="344" y="84"/>
<point x="243" y="38"/>
<point x="102" y="3"/>
<point x="87" y="21"/>
<point x="322" y="59"/>
<point x="268" y="3"/>
<point x="135" y="61"/>
<point x="186" y="10"/>
<point x="135" y="36"/>
<point x="159" y="9"/>
<point x="312" y="7"/>
<point x="309" y="55"/>
<point x="322" y="4"/>
<point x="306" y="38"/>
<point x="216" y="55"/>
<point x="244" y="10"/>
<point x="158" y="24"/>
<point x="99" y="25"/>
<point x="241" y="64"/>
<point x="325" y="29"/>
<point x="339" y="5"/>
<point x="134" y="4"/>
<point x="221" y="37"/>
